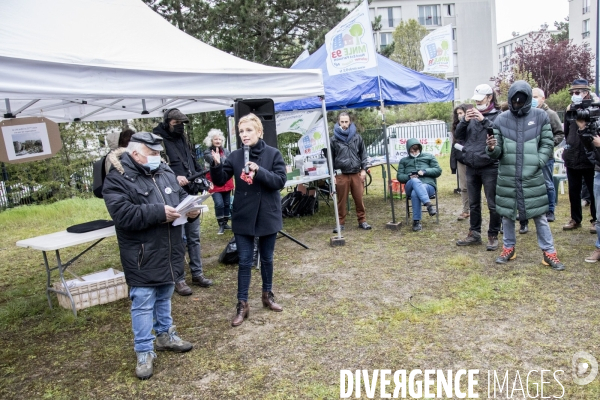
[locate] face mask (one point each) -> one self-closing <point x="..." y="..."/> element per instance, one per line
<point x="178" y="129"/>
<point x="153" y="162"/>
<point x="481" y="107"/>
<point x="415" y="154"/>
<point x="534" y="103"/>
<point x="576" y="98"/>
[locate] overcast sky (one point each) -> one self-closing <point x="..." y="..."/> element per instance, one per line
<point x="527" y="15"/>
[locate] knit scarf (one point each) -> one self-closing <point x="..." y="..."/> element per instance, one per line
<point x="344" y="135"/>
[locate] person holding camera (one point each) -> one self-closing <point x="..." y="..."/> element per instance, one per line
<point x="523" y="144"/>
<point x="256" y="209"/>
<point x="482" y="171"/>
<point x="184" y="165"/>
<point x="418" y="171"/>
<point x="574" y="155"/>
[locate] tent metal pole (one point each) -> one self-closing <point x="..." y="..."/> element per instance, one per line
<point x="387" y="162"/>
<point x="339" y="241"/>
<point x="8" y="112"/>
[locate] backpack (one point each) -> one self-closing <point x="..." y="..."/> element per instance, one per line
<point x="229" y="255"/>
<point x="99" y="173"/>
<point x="290" y="202"/>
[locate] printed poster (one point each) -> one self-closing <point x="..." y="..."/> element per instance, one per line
<point x="350" y="45"/>
<point x="437" y="51"/>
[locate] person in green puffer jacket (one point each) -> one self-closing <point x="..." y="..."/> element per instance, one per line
<point x="418" y="171"/>
<point x="523" y="144"/>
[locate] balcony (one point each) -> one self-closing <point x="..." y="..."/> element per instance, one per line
<point x="430" y="21"/>
<point x="585" y="34"/>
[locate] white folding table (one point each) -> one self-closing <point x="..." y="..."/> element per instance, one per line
<point x="60" y="240"/>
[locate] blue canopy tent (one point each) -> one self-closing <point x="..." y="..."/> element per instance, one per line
<point x="399" y="85"/>
<point x="359" y="89"/>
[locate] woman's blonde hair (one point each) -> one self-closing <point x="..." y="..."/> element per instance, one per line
<point x="252" y="119"/>
<point x="211" y="135"/>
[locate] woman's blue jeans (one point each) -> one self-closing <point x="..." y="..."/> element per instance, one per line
<point x="221" y="200"/>
<point x="150" y="308"/>
<point x="245" y="246"/>
<point x="419" y="192"/>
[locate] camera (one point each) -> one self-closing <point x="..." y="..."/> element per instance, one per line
<point x="590" y="113"/>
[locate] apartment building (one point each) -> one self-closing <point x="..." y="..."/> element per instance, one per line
<point x="582" y="22"/>
<point x="508" y="47"/>
<point x="474" y="34"/>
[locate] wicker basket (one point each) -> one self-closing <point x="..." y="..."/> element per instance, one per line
<point x="93" y="293"/>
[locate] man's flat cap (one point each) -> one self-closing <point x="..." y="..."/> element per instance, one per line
<point x="177" y="116"/>
<point x="151" y="140"/>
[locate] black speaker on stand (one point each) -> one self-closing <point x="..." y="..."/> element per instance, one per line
<point x="264" y="109"/>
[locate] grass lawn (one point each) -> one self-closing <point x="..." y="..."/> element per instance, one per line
<point x="385" y="300"/>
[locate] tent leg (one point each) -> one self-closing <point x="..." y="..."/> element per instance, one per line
<point x="336" y="240"/>
<point x="393" y="225"/>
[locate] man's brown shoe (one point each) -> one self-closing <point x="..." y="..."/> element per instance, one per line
<point x="463" y="216"/>
<point x="471" y="239"/>
<point x="595" y="256"/>
<point x="182" y="289"/>
<point x="242" y="311"/>
<point x="268" y="300"/>
<point x="492" y="243"/>
<point x="571" y="225"/>
<point x="593" y="228"/>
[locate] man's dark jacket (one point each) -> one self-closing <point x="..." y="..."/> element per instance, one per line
<point x="256" y="207"/>
<point x="574" y="154"/>
<point x="473" y="134"/>
<point x="176" y="147"/>
<point x="152" y="250"/>
<point x="349" y="157"/>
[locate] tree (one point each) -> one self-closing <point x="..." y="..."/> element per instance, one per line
<point x="516" y="75"/>
<point x="553" y="65"/>
<point x="407" y="44"/>
<point x="563" y="29"/>
<point x="271" y="32"/>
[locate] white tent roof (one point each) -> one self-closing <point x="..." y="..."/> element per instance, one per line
<point x="112" y="59"/>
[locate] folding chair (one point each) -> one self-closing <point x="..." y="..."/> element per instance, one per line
<point x="560" y="176"/>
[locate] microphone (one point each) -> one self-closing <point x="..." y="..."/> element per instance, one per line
<point x="246" y="159"/>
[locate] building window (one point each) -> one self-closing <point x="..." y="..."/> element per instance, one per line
<point x="430" y="15"/>
<point x="386" y="39"/>
<point x="455" y="80"/>
<point x="455" y="60"/>
<point x="390" y="16"/>
<point x="500" y="66"/>
<point x="449" y="10"/>
<point x="372" y="14"/>
<point x="585" y="31"/>
<point x="453" y="33"/>
<point x="586" y="6"/>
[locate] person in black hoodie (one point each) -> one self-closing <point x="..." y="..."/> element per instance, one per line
<point x="183" y="164"/>
<point x="591" y="141"/>
<point x="482" y="171"/>
<point x="256" y="209"/>
<point x="576" y="161"/>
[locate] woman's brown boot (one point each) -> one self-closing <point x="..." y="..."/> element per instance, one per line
<point x="242" y="311"/>
<point x="268" y="300"/>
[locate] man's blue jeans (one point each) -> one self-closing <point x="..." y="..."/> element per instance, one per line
<point x="597" y="198"/>
<point x="150" y="308"/>
<point x="419" y="193"/>
<point x="548" y="170"/>
<point x="221" y="200"/>
<point x="245" y="246"/>
<point x="544" y="235"/>
<point x="192" y="237"/>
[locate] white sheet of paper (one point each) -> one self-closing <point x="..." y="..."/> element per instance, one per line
<point x="188" y="204"/>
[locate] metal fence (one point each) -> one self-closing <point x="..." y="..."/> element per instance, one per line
<point x="14" y="193"/>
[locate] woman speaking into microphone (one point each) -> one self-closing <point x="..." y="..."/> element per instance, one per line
<point x="256" y="207"/>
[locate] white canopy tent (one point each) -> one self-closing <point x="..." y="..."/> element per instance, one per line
<point x="93" y="60"/>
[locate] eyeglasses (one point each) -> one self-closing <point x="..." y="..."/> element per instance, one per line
<point x="578" y="92"/>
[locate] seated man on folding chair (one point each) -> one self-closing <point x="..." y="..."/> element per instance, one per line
<point x="419" y="171"/>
